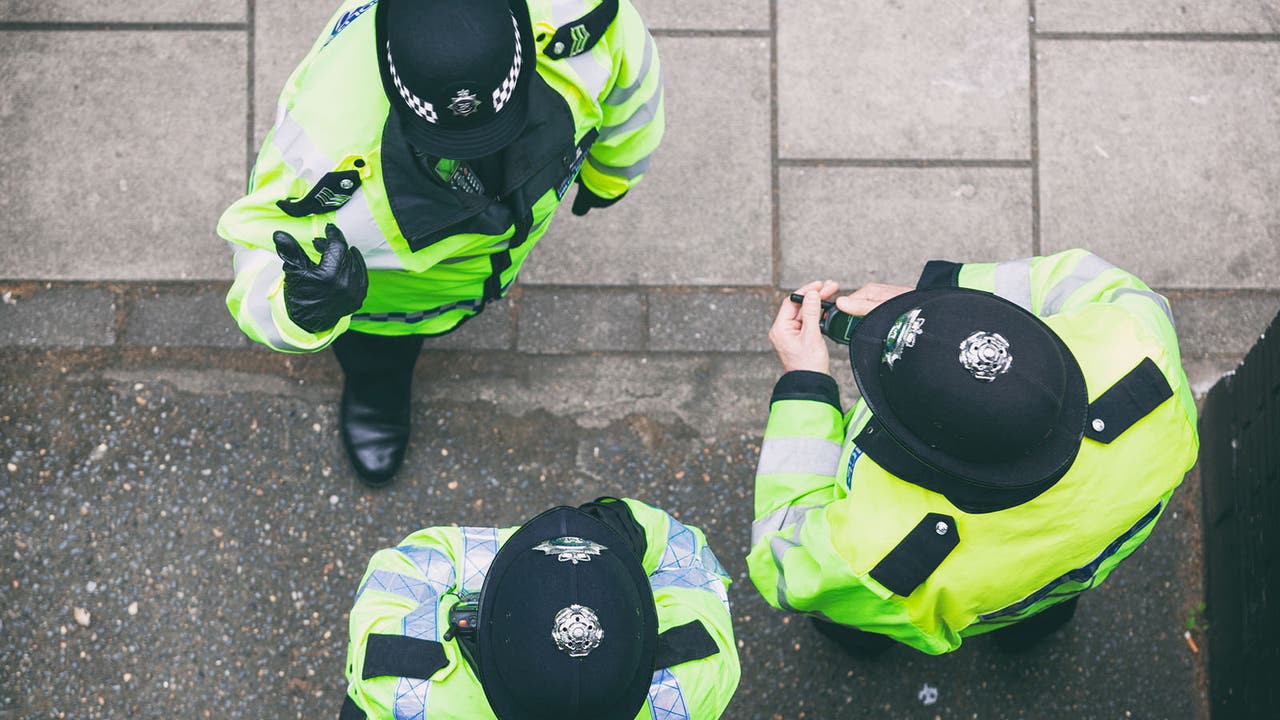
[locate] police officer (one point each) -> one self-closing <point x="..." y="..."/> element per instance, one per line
<point x="418" y="154"/>
<point x="610" y="611"/>
<point x="1021" y="428"/>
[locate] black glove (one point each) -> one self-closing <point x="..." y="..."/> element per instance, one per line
<point x="318" y="296"/>
<point x="585" y="199"/>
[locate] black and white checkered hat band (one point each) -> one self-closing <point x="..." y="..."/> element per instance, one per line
<point x="508" y="87"/>
<point x="423" y="108"/>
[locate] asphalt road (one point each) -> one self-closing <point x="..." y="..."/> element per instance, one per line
<point x="204" y="526"/>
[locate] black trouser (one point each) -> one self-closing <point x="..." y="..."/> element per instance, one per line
<point x="362" y="355"/>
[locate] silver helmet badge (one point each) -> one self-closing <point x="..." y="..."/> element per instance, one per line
<point x="902" y="335"/>
<point x="577" y="631"/>
<point x="464" y="103"/>
<point x="570" y="549"/>
<point x="985" y="355"/>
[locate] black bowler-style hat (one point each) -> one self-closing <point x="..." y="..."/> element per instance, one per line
<point x="457" y="72"/>
<point x="567" y="628"/>
<point x="971" y="396"/>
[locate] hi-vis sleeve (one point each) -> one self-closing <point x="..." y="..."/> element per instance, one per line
<point x="632" y="106"/>
<point x="689" y="584"/>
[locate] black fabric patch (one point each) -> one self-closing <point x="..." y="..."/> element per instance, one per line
<point x="581" y="35"/>
<point x="684" y="643"/>
<point x="332" y="192"/>
<point x="807" y="385"/>
<point x="918" y="555"/>
<point x="939" y="274"/>
<point x="1132" y="398"/>
<point x="350" y="711"/>
<point x="402" y="656"/>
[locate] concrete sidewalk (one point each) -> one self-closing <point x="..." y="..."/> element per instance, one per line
<point x="805" y="139"/>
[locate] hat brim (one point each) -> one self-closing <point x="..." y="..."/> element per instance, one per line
<point x="971" y="486"/>
<point x="482" y="140"/>
<point x="495" y="661"/>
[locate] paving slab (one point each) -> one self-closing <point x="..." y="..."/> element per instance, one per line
<point x="578" y="320"/>
<point x="130" y="182"/>
<point x="710" y="320"/>
<point x="105" y="11"/>
<point x="57" y="317"/>
<point x="859" y="225"/>
<point x="493" y="329"/>
<point x="1164" y="158"/>
<point x="702" y="214"/>
<point x="284" y="31"/>
<point x="903" y="79"/>
<point x="1206" y="16"/>
<point x="182" y="317"/>
<point x="720" y="15"/>
<point x="1220" y="324"/>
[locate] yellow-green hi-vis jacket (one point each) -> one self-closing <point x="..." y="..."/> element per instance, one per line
<point x="430" y="249"/>
<point x="826" y="514"/>
<point x="409" y="590"/>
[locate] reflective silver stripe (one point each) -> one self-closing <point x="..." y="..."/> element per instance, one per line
<point x="255" y="300"/>
<point x="1013" y="282"/>
<point x="683" y="564"/>
<point x="411" y="699"/>
<point x="1154" y="297"/>
<point x="1087" y="270"/>
<point x="396" y="583"/>
<point x="638" y="119"/>
<point x="480" y="545"/>
<point x="666" y="699"/>
<point x="778" y="546"/>
<point x="630" y="172"/>
<point x="777" y="520"/>
<point x="355" y="218"/>
<point x="437" y="568"/>
<point x="815" y="456"/>
<point x="620" y="95"/>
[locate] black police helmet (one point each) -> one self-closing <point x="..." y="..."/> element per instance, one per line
<point x="971" y="396"/>
<point x="457" y="74"/>
<point x="567" y="626"/>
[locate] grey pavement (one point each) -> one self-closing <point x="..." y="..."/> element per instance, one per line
<point x="186" y="488"/>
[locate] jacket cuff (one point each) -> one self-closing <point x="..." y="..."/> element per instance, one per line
<point x="807" y="385"/>
<point x="939" y="274"/>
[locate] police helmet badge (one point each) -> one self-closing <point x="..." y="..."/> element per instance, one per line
<point x="464" y="103"/>
<point x="985" y="355"/>
<point x="902" y="335"/>
<point x="570" y="549"/>
<point x="577" y="630"/>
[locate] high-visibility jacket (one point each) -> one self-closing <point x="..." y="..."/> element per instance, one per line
<point x="826" y="515"/>
<point x="409" y="589"/>
<point x="431" y="250"/>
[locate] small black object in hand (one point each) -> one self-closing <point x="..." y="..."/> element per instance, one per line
<point x="834" y="324"/>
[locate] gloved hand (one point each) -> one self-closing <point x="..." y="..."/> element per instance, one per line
<point x="585" y="199"/>
<point x="318" y="296"/>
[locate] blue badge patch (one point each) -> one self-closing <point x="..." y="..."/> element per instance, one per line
<point x="853" y="458"/>
<point x="347" y="18"/>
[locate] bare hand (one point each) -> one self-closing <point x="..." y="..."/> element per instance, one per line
<point x="796" y="335"/>
<point x="866" y="298"/>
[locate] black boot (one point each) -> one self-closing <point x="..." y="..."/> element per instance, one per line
<point x="376" y="392"/>
<point x="858" y="643"/>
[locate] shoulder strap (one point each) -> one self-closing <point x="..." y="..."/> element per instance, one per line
<point x="1132" y="398"/>
<point x="914" y="559"/>
<point x="579" y="36"/>
<point x="402" y="656"/>
<point x="684" y="643"/>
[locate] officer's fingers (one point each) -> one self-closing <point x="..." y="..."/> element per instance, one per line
<point x="854" y="305"/>
<point x="811" y="313"/>
<point x="828" y="288"/>
<point x="289" y="251"/>
<point x="334" y="235"/>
